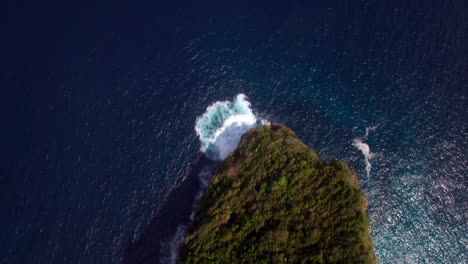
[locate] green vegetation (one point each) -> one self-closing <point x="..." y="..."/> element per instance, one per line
<point x="273" y="200"/>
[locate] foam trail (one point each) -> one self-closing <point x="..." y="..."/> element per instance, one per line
<point x="369" y="129"/>
<point x="222" y="125"/>
<point x="368" y="155"/>
<point x="365" y="149"/>
<point x="169" y="250"/>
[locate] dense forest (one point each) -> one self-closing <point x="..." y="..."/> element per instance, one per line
<point x="273" y="200"/>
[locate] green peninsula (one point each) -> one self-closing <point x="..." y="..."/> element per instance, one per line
<point x="273" y="200"/>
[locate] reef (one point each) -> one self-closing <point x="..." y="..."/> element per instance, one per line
<point x="273" y="200"/>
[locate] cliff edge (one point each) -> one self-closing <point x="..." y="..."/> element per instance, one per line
<point x="273" y="200"/>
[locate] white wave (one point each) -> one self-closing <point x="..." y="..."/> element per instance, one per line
<point x="365" y="149"/>
<point x="170" y="249"/>
<point x="222" y="125"/>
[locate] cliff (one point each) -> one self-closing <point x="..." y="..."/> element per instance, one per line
<point x="273" y="200"/>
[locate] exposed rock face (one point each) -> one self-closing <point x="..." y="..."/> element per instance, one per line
<point x="273" y="200"/>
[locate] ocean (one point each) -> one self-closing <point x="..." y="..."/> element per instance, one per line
<point x="114" y="116"/>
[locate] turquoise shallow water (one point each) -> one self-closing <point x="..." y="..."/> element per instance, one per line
<point x="101" y="114"/>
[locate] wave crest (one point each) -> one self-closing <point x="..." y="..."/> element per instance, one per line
<point x="222" y="125"/>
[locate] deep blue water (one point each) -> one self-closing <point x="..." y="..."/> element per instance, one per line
<point x="99" y="104"/>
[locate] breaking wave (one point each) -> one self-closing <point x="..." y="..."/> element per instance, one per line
<point x="222" y="125"/>
<point x="219" y="130"/>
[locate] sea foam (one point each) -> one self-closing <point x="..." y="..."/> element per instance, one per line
<point x="222" y="125"/>
<point x="169" y="250"/>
